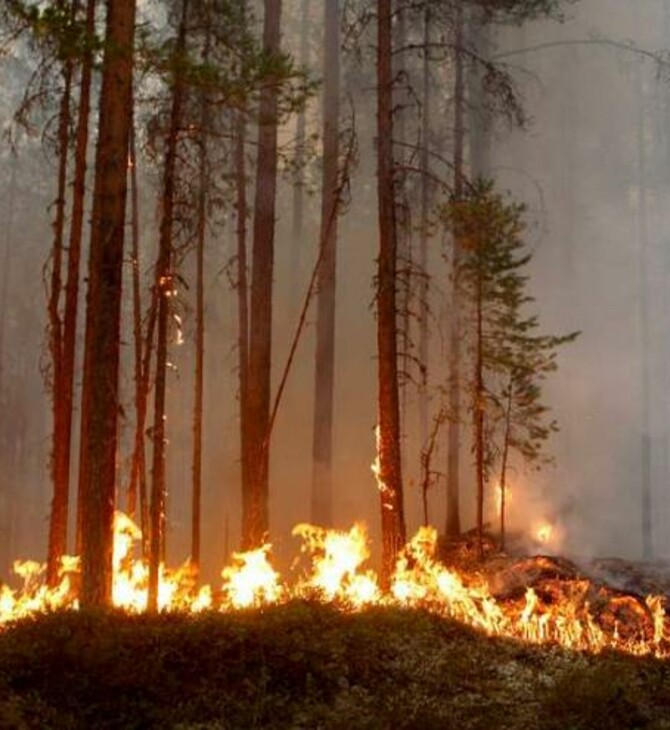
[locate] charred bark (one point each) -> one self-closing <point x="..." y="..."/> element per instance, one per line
<point x="100" y="394"/>
<point x="389" y="455"/>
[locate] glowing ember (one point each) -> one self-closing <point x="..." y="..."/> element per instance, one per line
<point x="544" y="533"/>
<point x="337" y="572"/>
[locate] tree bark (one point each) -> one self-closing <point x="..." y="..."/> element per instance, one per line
<point x="643" y="264"/>
<point x="478" y="412"/>
<point x="390" y="470"/>
<point x="453" y="523"/>
<point x="164" y="288"/>
<point x="242" y="295"/>
<point x="60" y="505"/>
<point x="100" y="394"/>
<point x="60" y="464"/>
<point x="423" y="308"/>
<point x="255" y="514"/>
<point x="198" y="390"/>
<point x="322" y="444"/>
<point x="298" y="213"/>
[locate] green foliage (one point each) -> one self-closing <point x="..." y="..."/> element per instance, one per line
<point x="515" y="359"/>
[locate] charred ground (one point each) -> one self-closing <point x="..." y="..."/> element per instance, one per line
<point x="305" y="665"/>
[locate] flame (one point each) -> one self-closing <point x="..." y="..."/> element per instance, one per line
<point x="337" y="572"/>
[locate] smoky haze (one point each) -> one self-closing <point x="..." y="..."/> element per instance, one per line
<point x="593" y="167"/>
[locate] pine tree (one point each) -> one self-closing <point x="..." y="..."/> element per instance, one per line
<point x="508" y="358"/>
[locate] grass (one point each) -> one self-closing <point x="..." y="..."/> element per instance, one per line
<point x="310" y="666"/>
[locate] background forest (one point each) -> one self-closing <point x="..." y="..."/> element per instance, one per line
<point x="563" y="106"/>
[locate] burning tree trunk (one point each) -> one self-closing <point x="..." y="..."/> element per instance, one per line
<point x="390" y="471"/>
<point x="59" y="514"/>
<point x="164" y="289"/>
<point x="453" y="524"/>
<point x="100" y="394"/>
<point x="322" y="497"/>
<point x="255" y="518"/>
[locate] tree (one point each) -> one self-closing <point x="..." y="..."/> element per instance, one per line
<point x="388" y="442"/>
<point x="165" y="283"/>
<point x="64" y="388"/>
<point x="100" y="393"/>
<point x="255" y="515"/>
<point x="508" y="360"/>
<point x="322" y="497"/>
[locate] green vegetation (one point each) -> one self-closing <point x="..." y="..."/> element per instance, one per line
<point x="309" y="666"/>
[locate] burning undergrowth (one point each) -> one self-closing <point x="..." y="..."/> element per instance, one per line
<point x="538" y="600"/>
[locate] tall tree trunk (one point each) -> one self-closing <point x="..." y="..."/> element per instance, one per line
<point x="453" y="524"/>
<point x="255" y="515"/>
<point x="298" y="214"/>
<point x="198" y="390"/>
<point x="100" y="394"/>
<point x="242" y="294"/>
<point x="139" y="455"/>
<point x="164" y="287"/>
<point x="390" y="470"/>
<point x="478" y="411"/>
<point x="423" y="307"/>
<point x="645" y="343"/>
<point x="60" y="505"/>
<point x="403" y="216"/>
<point x="322" y="444"/>
<point x="60" y="464"/>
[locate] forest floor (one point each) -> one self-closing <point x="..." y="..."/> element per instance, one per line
<point x="305" y="665"/>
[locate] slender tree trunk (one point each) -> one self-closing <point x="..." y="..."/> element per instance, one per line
<point x="60" y="464"/>
<point x="390" y="470"/>
<point x="478" y="411"/>
<point x="60" y="505"/>
<point x="403" y="216"/>
<point x="255" y="515"/>
<point x="479" y="121"/>
<point x="164" y="287"/>
<point x="322" y="444"/>
<point x="100" y="394"/>
<point x="139" y="454"/>
<point x="242" y="295"/>
<point x="503" y="464"/>
<point x="298" y="215"/>
<point x="424" y="310"/>
<point x="453" y="524"/>
<point x="198" y="394"/>
<point x="645" y="344"/>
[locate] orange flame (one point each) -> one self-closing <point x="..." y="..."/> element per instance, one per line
<point x="337" y="572"/>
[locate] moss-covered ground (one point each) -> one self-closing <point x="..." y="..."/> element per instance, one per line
<point x="310" y="666"/>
